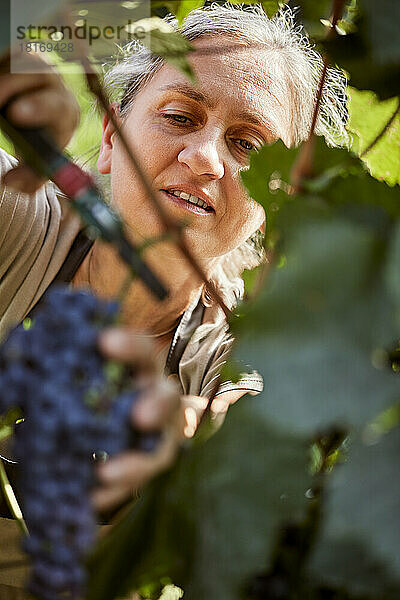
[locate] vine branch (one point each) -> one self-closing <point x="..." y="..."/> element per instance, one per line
<point x="303" y="165"/>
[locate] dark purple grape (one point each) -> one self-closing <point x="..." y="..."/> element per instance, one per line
<point x="72" y="411"/>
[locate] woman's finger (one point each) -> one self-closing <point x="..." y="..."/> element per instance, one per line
<point x="193" y="409"/>
<point x="157" y="405"/>
<point x="23" y="179"/>
<point x="52" y="107"/>
<point x="107" y="498"/>
<point x="127" y="346"/>
<point x="121" y="476"/>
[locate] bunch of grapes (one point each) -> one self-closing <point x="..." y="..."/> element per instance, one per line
<point x="75" y="406"/>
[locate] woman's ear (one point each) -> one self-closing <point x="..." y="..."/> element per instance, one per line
<point x="107" y="142"/>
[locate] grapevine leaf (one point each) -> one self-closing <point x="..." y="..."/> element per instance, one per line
<point x="362" y="520"/>
<point x="268" y="178"/>
<point x="170" y="45"/>
<point x="336" y="174"/>
<point x="318" y="327"/>
<point x="211" y="522"/>
<point x="241" y="506"/>
<point x="185" y="7"/>
<point x="368" y="118"/>
<point x="270" y="7"/>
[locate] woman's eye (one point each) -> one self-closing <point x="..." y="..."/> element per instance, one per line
<point x="177" y="119"/>
<point x="245" y="144"/>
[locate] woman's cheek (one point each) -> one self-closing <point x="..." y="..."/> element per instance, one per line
<point x="243" y="223"/>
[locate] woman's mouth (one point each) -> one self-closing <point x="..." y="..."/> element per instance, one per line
<point x="189" y="202"/>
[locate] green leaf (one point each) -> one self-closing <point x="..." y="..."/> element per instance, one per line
<point x="359" y="547"/>
<point x="185" y="7"/>
<point x="316" y="328"/>
<point x="337" y="173"/>
<point x="7" y="422"/>
<point x="268" y="178"/>
<point x="367" y="119"/>
<point x="211" y="523"/>
<point x="270" y="7"/>
<point x="164" y="41"/>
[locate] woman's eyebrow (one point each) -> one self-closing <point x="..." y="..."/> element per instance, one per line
<point x="190" y="92"/>
<point x="195" y="94"/>
<point x="256" y="119"/>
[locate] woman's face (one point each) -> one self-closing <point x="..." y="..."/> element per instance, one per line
<point x="193" y="140"/>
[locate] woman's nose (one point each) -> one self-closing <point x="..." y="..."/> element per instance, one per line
<point x="202" y="157"/>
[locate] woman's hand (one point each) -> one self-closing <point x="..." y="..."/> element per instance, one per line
<point x="41" y="100"/>
<point x="158" y="409"/>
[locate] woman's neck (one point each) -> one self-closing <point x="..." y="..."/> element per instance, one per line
<point x="103" y="271"/>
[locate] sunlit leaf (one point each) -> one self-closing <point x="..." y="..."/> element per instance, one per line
<point x="270" y="7"/>
<point x="185" y="7"/>
<point x="368" y="118"/>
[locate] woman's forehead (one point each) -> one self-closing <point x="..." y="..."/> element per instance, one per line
<point x="247" y="82"/>
<point x="244" y="66"/>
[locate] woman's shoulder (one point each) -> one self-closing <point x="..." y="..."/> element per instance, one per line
<point x="36" y="232"/>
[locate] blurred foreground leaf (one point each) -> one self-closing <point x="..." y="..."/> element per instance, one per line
<point x="211" y="523"/>
<point x="359" y="548"/>
<point x="320" y="329"/>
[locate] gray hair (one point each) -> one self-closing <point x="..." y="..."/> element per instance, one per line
<point x="299" y="63"/>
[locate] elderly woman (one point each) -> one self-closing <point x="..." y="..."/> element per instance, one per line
<point x="256" y="83"/>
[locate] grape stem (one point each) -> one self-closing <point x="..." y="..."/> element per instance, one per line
<point x="11" y="500"/>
